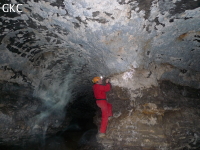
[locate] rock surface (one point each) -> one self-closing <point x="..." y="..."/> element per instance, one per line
<point x="24" y="118"/>
<point x="59" y="39"/>
<point x="165" y="117"/>
<point x="51" y="50"/>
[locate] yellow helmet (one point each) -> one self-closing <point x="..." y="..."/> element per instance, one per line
<point x="95" y="79"/>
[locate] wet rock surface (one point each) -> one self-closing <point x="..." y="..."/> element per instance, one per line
<point x="162" y="118"/>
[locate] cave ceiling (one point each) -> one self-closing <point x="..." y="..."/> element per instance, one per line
<point x="64" y="43"/>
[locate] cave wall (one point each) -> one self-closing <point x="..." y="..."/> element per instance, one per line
<point x="162" y="117"/>
<point x="107" y="37"/>
<point x="54" y="48"/>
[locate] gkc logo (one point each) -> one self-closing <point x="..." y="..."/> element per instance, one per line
<point x="11" y="7"/>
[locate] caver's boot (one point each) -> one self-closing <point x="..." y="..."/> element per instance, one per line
<point x="101" y="135"/>
<point x="109" y="118"/>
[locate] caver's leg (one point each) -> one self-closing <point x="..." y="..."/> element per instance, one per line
<point x="110" y="114"/>
<point x="104" y="115"/>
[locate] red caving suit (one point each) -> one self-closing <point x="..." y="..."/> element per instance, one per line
<point x="106" y="108"/>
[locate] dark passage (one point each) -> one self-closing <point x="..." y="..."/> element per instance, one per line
<point x="79" y="133"/>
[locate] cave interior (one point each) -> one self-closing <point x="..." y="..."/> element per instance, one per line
<point x="50" y="50"/>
